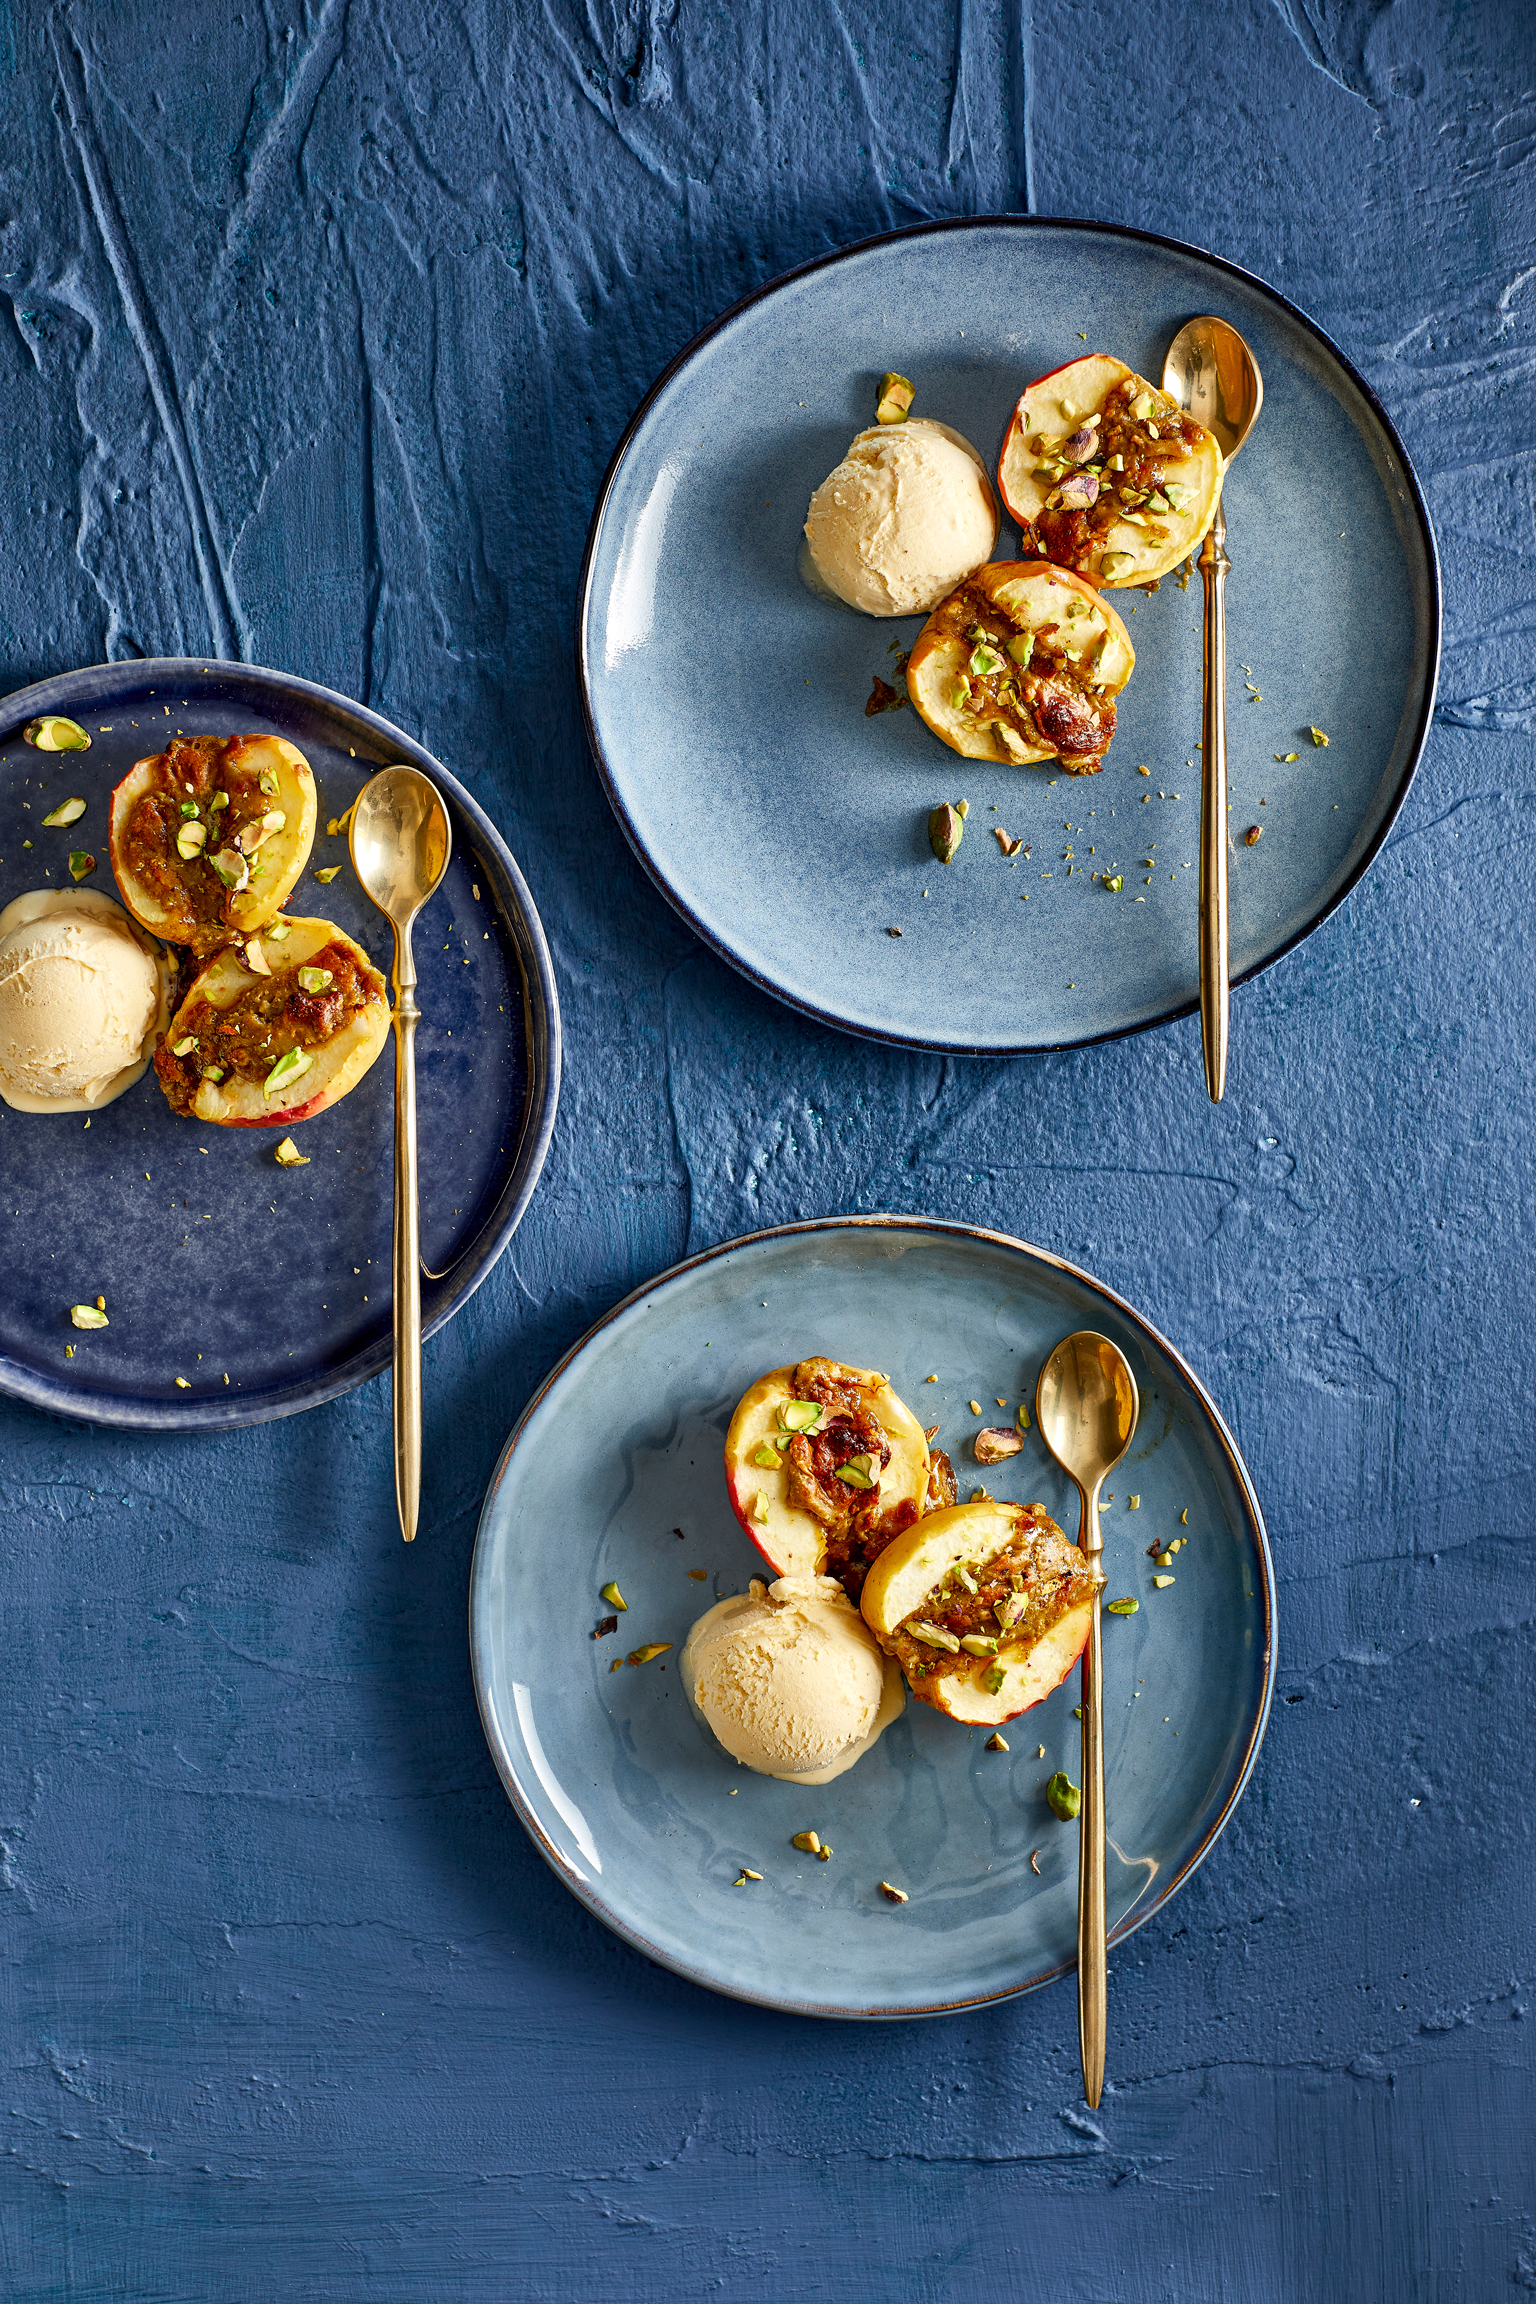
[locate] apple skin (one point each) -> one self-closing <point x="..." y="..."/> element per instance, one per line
<point x="286" y="852"/>
<point x="1031" y="587"/>
<point x="969" y="1535"/>
<point x="337" y="1067"/>
<point x="790" y="1541"/>
<point x="1056" y="411"/>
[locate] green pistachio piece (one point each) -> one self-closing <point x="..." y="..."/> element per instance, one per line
<point x="985" y="661"/>
<point x="81" y="863"/>
<point x="53" y="733"/>
<point x="189" y="808"/>
<point x="1122" y="1607"/>
<point x="268" y="782"/>
<point x="87" y="1316"/>
<point x="288" y="1068"/>
<point x="185" y="1045"/>
<point x="801" y="1415"/>
<point x="992" y="1680"/>
<point x="279" y="931"/>
<point x="1115" y="884"/>
<point x="1064" y="1797"/>
<point x="896" y="397"/>
<point x="766" y="1457"/>
<point x="977" y="1644"/>
<point x="946" y="830"/>
<point x="288" y="1155"/>
<point x="934" y="1636"/>
<point x="213" y="1072"/>
<point x="231" y="867"/>
<point x="190" y="841"/>
<point x="1116" y="564"/>
<point x="614" y="1598"/>
<point x="1317" y="736"/>
<point x="1021" y="647"/>
<point x="328" y="875"/>
<point x="67" y="812"/>
<point x="219" y="800"/>
<point x="859" y="1472"/>
<point x="315" y="979"/>
<point x="809" y="1841"/>
<point x="646" y="1655"/>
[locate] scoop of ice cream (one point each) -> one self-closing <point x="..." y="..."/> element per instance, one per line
<point x="906" y="514"/>
<point x="82" y="994"/>
<point x="792" y="1682"/>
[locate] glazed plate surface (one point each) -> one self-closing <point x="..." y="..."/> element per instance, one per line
<point x="625" y="1791"/>
<point x="266" y="1289"/>
<point x="725" y="702"/>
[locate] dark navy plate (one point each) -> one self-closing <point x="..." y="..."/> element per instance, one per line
<point x="626" y="1793"/>
<point x="266" y="1289"/>
<point x="725" y="703"/>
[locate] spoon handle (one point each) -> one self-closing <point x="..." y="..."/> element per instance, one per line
<point x="1213" y="811"/>
<point x="1092" y="1970"/>
<point x="407" y="1367"/>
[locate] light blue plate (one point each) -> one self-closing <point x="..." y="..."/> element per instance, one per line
<point x="726" y="704"/>
<point x="615" y="1472"/>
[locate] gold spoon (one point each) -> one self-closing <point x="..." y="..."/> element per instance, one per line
<point x="1086" y="1407"/>
<point x="400" y="848"/>
<point x="1214" y="377"/>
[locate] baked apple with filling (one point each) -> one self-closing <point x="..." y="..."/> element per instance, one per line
<point x="1106" y="474"/>
<point x="825" y="1465"/>
<point x="209" y="836"/>
<point x="986" y="1608"/>
<point x="276" y="1031"/>
<point x="1022" y="662"/>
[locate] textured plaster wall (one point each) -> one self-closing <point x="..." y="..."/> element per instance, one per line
<point x="318" y="327"/>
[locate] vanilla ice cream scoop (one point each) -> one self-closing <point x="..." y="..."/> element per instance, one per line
<point x="83" y="992"/>
<point x="791" y="1679"/>
<point x="907" y="513"/>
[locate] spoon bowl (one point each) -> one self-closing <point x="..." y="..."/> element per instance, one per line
<point x="1214" y="377"/>
<point x="1086" y="1405"/>
<point x="401" y="842"/>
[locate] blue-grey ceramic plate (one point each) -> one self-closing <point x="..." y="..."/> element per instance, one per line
<point x="267" y="1289"/>
<point x="615" y="1471"/>
<point x="725" y="703"/>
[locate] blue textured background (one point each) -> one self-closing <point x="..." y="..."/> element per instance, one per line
<point x="322" y="325"/>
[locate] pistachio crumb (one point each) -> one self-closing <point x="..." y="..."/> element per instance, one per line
<point x="614" y="1598"/>
<point x="895" y="1895"/>
<point x="1162" y="1582"/>
<point x="997" y="1742"/>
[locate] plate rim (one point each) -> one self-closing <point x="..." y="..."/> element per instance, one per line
<point x="942" y="1227"/>
<point x="941" y="1046"/>
<point x="541" y="1018"/>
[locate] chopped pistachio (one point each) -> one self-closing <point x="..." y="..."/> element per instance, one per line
<point x="1134" y="1502"/>
<point x="315" y="979"/>
<point x="67" y="812"/>
<point x="997" y="1743"/>
<point x="1023" y="1417"/>
<point x="81" y="863"/>
<point x="801" y="1415"/>
<point x="278" y="931"/>
<point x="53" y="733"/>
<point x="87" y="1316"/>
<point x="1317" y="736"/>
<point x="995" y="1443"/>
<point x="1126" y="1607"/>
<point x="190" y="840"/>
<point x="946" y="830"/>
<point x="288" y="1155"/>
<point x="979" y="1496"/>
<point x="255" y="959"/>
<point x="1253" y="835"/>
<point x="896" y="1895"/>
<point x="766" y="1458"/>
<point x="648" y="1655"/>
<point x="231" y="867"/>
<point x="992" y="1679"/>
<point x="1114" y="883"/>
<point x="757" y="1510"/>
<point x="213" y="1072"/>
<point x="859" y="1472"/>
<point x="182" y="1385"/>
<point x="614" y="1598"/>
<point x="291" y="1067"/>
<point x="1064" y="1797"/>
<point x="1184" y="1515"/>
<point x="934" y="1636"/>
<point x="809" y="1841"/>
<point x="268" y="782"/>
<point x="1162" y="1582"/>
<point x="985" y="661"/>
<point x="1116" y="564"/>
<point x="328" y="875"/>
<point x="219" y="800"/>
<point x="896" y="397"/>
<point x="977" y="1644"/>
<point x="185" y="1045"/>
<point x="965" y="1577"/>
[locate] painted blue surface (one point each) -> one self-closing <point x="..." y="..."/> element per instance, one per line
<point x="283" y="1300"/>
<point x="628" y="1792"/>
<point x="322" y="329"/>
<point x="790" y="828"/>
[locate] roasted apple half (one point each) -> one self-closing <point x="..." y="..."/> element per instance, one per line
<point x="209" y="836"/>
<point x="1106" y="474"/>
<point x="275" y="1031"/>
<point x="986" y="1608"/>
<point x="1023" y="662"/>
<point x="825" y="1465"/>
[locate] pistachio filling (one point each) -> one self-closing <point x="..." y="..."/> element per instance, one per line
<point x="1039" y="689"/>
<point x="270" y="1033"/>
<point x="194" y="840"/>
<point x="969" y="1622"/>
<point x="1121" y="465"/>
